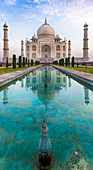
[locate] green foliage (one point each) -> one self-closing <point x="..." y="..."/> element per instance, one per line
<point x="31" y="62"/>
<point x="6" y="62"/>
<point x="9" y="64"/>
<point x="84" y="64"/>
<point x="14" y="61"/>
<point x="0" y="65"/>
<point x="66" y="61"/>
<point x="77" y="64"/>
<point x="37" y="62"/>
<point x="20" y="58"/>
<point x="23" y="61"/>
<point x="28" y="62"/>
<point x="73" y="61"/>
<point x="61" y="62"/>
<point x="55" y="62"/>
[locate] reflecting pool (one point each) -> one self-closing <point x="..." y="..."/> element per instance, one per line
<point x="67" y="107"/>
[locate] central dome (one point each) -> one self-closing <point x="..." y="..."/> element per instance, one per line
<point x="46" y="30"/>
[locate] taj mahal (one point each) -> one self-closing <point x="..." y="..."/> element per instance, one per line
<point x="46" y="47"/>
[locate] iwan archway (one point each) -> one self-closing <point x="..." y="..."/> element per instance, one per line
<point x="46" y="52"/>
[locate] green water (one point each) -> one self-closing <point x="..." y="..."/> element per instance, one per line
<point x="67" y="107"/>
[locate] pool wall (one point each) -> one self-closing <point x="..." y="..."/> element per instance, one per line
<point x="6" y="79"/>
<point x="76" y="77"/>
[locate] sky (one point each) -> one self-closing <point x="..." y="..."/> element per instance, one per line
<point x="67" y="17"/>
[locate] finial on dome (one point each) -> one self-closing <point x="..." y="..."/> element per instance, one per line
<point x="45" y="20"/>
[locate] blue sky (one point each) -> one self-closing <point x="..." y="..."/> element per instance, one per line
<point x="67" y="17"/>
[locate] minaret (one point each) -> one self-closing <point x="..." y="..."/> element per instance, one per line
<point x="6" y="46"/>
<point x="22" y="48"/>
<point x="5" y="99"/>
<point x="85" y="43"/>
<point x="69" y="48"/>
<point x="44" y="146"/>
<point x="86" y="92"/>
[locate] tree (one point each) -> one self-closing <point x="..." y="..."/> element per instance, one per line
<point x="14" y="61"/>
<point x="62" y="61"/>
<point x="31" y="62"/>
<point x="55" y="62"/>
<point x="20" y="58"/>
<point x="28" y="62"/>
<point x="73" y="61"/>
<point x="23" y="61"/>
<point x="37" y="62"/>
<point x="77" y="64"/>
<point x="6" y="61"/>
<point x="66" y="61"/>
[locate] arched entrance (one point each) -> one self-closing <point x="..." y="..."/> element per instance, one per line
<point x="46" y="51"/>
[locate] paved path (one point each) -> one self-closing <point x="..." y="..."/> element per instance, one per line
<point x="9" y="77"/>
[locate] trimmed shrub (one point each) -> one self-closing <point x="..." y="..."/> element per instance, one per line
<point x="6" y="62"/>
<point x="31" y="62"/>
<point x="55" y="62"/>
<point x="77" y="64"/>
<point x="20" y="58"/>
<point x="37" y="62"/>
<point x="14" y="61"/>
<point x="23" y="61"/>
<point x="73" y="61"/>
<point x="28" y="62"/>
<point x="9" y="64"/>
<point x="66" y="61"/>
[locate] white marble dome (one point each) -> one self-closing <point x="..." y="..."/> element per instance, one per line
<point x="46" y="30"/>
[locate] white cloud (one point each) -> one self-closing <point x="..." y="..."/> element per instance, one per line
<point x="10" y="2"/>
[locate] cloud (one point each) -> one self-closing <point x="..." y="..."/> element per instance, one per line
<point x="3" y="16"/>
<point x="10" y="2"/>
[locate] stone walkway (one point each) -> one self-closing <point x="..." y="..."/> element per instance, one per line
<point x="86" y="78"/>
<point x="9" y="77"/>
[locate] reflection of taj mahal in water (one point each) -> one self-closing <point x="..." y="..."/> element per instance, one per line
<point x="55" y="81"/>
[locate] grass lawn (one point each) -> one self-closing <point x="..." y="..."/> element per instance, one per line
<point x="84" y="69"/>
<point x="8" y="70"/>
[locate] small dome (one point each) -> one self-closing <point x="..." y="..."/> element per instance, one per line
<point x="57" y="37"/>
<point x="34" y="37"/>
<point x="5" y="25"/>
<point x="46" y="30"/>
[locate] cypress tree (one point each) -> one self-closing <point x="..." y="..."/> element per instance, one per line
<point x="62" y="61"/>
<point x="66" y="62"/>
<point x="28" y="62"/>
<point x="20" y="58"/>
<point x="14" y="61"/>
<point x="23" y="61"/>
<point x="6" y="62"/>
<point x="31" y="62"/>
<point x="73" y="61"/>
